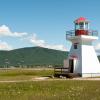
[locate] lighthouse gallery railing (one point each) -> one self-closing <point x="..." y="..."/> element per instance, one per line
<point x="90" y="33"/>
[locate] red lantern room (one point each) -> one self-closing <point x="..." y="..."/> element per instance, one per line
<point x="81" y="26"/>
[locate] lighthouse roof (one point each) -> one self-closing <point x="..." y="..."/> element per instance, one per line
<point x="81" y="19"/>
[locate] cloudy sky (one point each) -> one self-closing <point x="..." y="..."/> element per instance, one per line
<point x="28" y="23"/>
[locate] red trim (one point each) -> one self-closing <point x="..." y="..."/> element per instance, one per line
<point x="81" y="19"/>
<point x="81" y="32"/>
<point x="74" y="56"/>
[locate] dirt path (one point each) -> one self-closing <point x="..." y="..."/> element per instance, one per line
<point x="48" y="79"/>
<point x="93" y="79"/>
<point x="33" y="79"/>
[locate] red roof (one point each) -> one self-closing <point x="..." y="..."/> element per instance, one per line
<point x="81" y="19"/>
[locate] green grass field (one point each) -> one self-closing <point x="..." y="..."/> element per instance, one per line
<point x="23" y="74"/>
<point x="51" y="89"/>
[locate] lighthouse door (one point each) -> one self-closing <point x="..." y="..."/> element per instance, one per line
<point x="71" y="65"/>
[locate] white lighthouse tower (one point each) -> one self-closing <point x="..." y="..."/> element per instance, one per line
<point x="82" y="57"/>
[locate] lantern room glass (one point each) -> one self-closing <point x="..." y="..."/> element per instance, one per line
<point x="81" y="26"/>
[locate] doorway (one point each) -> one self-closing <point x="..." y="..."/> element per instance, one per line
<point x="71" y="65"/>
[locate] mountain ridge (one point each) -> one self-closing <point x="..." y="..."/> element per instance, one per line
<point x="32" y="56"/>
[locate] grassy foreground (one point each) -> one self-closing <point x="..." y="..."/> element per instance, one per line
<point x="51" y="90"/>
<point x="48" y="89"/>
<point x="23" y="74"/>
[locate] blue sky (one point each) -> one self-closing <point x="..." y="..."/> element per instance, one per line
<point x="27" y="23"/>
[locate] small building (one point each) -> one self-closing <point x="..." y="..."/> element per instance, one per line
<point x="82" y="58"/>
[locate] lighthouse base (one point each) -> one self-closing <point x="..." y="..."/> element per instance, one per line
<point x="90" y="74"/>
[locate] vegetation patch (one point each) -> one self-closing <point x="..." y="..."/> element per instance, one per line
<point x="51" y="90"/>
<point x="32" y="57"/>
<point x="23" y="74"/>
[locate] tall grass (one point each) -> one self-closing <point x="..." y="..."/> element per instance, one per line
<point x="35" y="72"/>
<point x="51" y="90"/>
<point x="45" y="90"/>
<point x="23" y="74"/>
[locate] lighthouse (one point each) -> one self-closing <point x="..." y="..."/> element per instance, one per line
<point x="82" y="57"/>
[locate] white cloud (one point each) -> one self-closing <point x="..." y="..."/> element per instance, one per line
<point x="97" y="46"/>
<point x="56" y="47"/>
<point x="38" y="42"/>
<point x="5" y="31"/>
<point x="5" y="46"/>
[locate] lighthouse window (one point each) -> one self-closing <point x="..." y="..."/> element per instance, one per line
<point x="75" y="45"/>
<point x="81" y="26"/>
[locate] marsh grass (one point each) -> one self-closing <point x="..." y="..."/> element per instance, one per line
<point x="34" y="72"/>
<point x="51" y="90"/>
<point x="23" y="74"/>
<point x="62" y="89"/>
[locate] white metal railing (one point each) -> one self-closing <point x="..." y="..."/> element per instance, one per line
<point x="72" y="33"/>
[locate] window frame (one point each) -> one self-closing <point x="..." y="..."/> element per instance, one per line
<point x="75" y="45"/>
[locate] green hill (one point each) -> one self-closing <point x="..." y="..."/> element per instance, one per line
<point x="99" y="58"/>
<point x="32" y="56"/>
